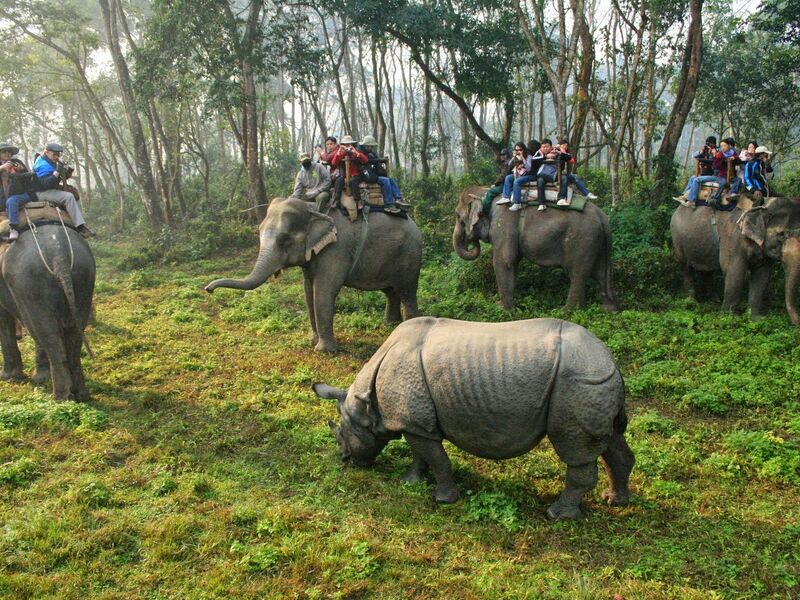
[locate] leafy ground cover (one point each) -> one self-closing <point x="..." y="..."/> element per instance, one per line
<point x="204" y="468"/>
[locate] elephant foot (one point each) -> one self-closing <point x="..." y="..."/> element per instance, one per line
<point x="559" y="511"/>
<point x="505" y="306"/>
<point x="326" y="346"/>
<point x="616" y="498"/>
<point x="12" y="376"/>
<point x="446" y="494"/>
<point x="757" y="316"/>
<point x="611" y="307"/>
<point x="392" y="319"/>
<point x="41" y="377"/>
<point x="314" y="339"/>
<point x="82" y="395"/>
<point x="414" y="475"/>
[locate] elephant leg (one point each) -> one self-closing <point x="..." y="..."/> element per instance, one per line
<point x="432" y="453"/>
<point x="608" y="295"/>
<point x="734" y="281"/>
<point x="324" y="309"/>
<point x="505" y="271"/>
<point x="409" y="304"/>
<point x="618" y="461"/>
<point x="576" y="297"/>
<point x="308" y="288"/>
<point x="759" y="281"/>
<point x="688" y="282"/>
<point x="580" y="480"/>
<point x="47" y="334"/>
<point x="74" y="343"/>
<point x="12" y="359"/>
<point x="42" y="373"/>
<point x="392" y="312"/>
<point x="417" y="471"/>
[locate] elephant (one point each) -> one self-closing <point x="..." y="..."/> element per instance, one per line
<point x="494" y="390"/>
<point x="47" y="284"/>
<point x="579" y="242"/>
<point x="376" y="252"/>
<point x="737" y="242"/>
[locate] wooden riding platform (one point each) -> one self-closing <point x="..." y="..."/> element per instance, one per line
<point x="37" y="212"/>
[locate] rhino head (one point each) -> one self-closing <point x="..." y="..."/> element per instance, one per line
<point x="360" y="433"/>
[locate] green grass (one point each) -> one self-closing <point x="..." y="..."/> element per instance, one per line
<point x="204" y="467"/>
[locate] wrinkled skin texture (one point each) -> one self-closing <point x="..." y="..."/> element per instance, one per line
<point x="745" y="241"/>
<point x="54" y="308"/>
<point x="579" y="242"/>
<point x="494" y="390"/>
<point x="325" y="246"/>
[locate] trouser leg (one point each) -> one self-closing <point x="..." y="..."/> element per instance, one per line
<point x="13" y="205"/>
<point x="67" y="200"/>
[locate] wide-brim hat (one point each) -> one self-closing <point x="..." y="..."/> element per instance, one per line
<point x="369" y="141"/>
<point x="347" y="140"/>
<point x="53" y="147"/>
<point x="14" y="149"/>
<point x="763" y="150"/>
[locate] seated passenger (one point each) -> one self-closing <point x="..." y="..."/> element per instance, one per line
<point x="349" y="161"/>
<point x="547" y="172"/>
<point x="504" y="168"/>
<point x="745" y="156"/>
<point x="50" y="172"/>
<point x="313" y="183"/>
<point x="567" y="177"/>
<point x="521" y="173"/>
<point x="375" y="172"/>
<point x="755" y="175"/>
<point x="720" y="176"/>
<point x="326" y="155"/>
<point x="705" y="157"/>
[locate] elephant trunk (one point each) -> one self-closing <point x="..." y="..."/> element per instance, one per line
<point x="791" y="262"/>
<point x="269" y="261"/>
<point x="461" y="245"/>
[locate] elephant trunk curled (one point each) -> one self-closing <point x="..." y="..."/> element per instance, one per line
<point x="461" y="245"/>
<point x="267" y="263"/>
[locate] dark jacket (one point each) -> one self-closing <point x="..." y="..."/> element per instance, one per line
<point x="505" y="169"/>
<point x="706" y="159"/>
<point x="17" y="181"/>
<point x="375" y="167"/>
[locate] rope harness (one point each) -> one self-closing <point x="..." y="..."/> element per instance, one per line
<point x="361" y="243"/>
<point x="33" y="229"/>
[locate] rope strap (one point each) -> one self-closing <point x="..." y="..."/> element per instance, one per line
<point x="32" y="227"/>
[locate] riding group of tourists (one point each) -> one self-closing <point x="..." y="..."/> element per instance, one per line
<point x="343" y="163"/>
<point x="540" y="163"/>
<point x="729" y="169"/>
<point x="47" y="183"/>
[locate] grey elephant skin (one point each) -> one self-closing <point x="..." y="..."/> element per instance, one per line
<point x="740" y="242"/>
<point x="494" y="390"/>
<point x="380" y="253"/>
<point x="54" y="306"/>
<point x="579" y="242"/>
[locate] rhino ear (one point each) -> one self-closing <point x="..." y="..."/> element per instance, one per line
<point x="329" y="392"/>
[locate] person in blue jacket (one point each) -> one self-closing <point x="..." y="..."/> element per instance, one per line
<point x="755" y="174"/>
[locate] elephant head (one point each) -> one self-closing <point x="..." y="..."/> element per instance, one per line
<point x="775" y="230"/>
<point x="360" y="434"/>
<point x="468" y="230"/>
<point x="290" y="234"/>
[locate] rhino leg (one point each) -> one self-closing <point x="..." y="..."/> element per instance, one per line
<point x="580" y="479"/>
<point x="431" y="452"/>
<point x="417" y="471"/>
<point x="618" y="461"/>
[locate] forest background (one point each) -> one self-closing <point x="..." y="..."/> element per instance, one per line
<point x="204" y="468"/>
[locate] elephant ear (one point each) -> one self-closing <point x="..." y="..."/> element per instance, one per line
<point x="475" y="209"/>
<point x="752" y="225"/>
<point x="321" y="232"/>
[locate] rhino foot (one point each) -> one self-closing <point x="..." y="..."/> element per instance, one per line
<point x="615" y="498"/>
<point x="560" y="511"/>
<point x="446" y="494"/>
<point x="413" y="476"/>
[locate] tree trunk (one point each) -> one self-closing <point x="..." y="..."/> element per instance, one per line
<point x="426" y="130"/>
<point x="684" y="98"/>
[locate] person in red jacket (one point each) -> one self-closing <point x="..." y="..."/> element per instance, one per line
<point x="350" y="162"/>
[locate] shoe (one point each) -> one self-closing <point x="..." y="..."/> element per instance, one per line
<point x="515" y="207"/>
<point x="391" y="209"/>
<point x="682" y="199"/>
<point x="401" y="204"/>
<point x="13" y="234"/>
<point x="86" y="232"/>
<point x="591" y="196"/>
<point x="563" y="202"/>
<point x="504" y="201"/>
<point x="541" y="207"/>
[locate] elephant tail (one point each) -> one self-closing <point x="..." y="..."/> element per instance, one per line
<point x="63" y="275"/>
<point x="608" y="278"/>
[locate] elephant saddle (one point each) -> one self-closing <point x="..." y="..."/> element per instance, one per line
<point x="37" y="212"/>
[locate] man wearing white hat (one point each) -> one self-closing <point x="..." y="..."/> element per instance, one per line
<point x="313" y="182"/>
<point x="350" y="169"/>
<point x="755" y="174"/>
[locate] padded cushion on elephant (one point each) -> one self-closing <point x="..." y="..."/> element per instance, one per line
<point x="371" y="194"/>
<point x="36" y="215"/>
<point x="707" y="190"/>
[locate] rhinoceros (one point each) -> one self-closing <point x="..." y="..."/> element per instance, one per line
<point x="494" y="390"/>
